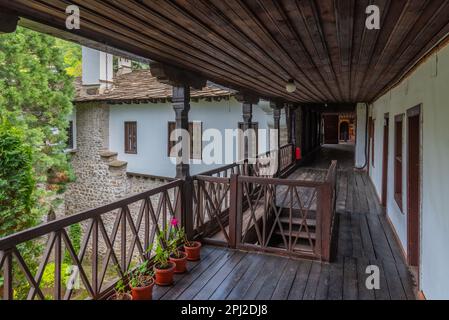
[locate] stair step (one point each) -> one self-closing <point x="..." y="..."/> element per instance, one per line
<point x="298" y="221"/>
<point x="297" y="234"/>
<point x="297" y="247"/>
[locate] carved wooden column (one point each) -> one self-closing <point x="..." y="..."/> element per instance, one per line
<point x="247" y="101"/>
<point x="181" y="106"/>
<point x="181" y="81"/>
<point x="277" y="107"/>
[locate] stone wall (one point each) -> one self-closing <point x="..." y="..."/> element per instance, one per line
<point x="101" y="178"/>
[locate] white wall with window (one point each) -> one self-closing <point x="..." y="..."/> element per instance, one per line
<point x="153" y="131"/>
<point x="427" y="85"/>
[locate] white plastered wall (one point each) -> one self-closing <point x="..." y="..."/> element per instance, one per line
<point x="427" y="85"/>
<point x="152" y="131"/>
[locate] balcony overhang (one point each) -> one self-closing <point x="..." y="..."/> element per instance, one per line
<point x="258" y="46"/>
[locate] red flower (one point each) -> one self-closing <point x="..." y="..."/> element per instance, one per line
<point x="174" y="222"/>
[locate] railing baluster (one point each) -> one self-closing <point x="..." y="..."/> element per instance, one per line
<point x="8" y="290"/>
<point x="95" y="256"/>
<point x="58" y="261"/>
<point x="123" y="240"/>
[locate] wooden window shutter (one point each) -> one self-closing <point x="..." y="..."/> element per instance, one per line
<point x="131" y="137"/>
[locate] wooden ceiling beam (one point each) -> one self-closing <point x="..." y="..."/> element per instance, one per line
<point x="259" y="45"/>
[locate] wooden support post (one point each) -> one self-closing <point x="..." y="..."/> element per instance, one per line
<point x="181" y="105"/>
<point x="247" y="101"/>
<point x="181" y="81"/>
<point x="235" y="232"/>
<point x="277" y="107"/>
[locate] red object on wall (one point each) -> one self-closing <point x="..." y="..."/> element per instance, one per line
<point x="298" y="153"/>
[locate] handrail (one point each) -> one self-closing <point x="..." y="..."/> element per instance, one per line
<point x="43" y="229"/>
<point x="137" y="220"/>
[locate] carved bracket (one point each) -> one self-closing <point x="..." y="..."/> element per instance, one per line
<point x="8" y="21"/>
<point x="176" y="77"/>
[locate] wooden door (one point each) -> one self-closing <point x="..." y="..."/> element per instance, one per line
<point x="385" y="160"/>
<point x="413" y="185"/>
<point x="331" y="129"/>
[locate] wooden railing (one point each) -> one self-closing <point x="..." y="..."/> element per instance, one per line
<point x="211" y="202"/>
<point x="288" y="217"/>
<point x="103" y="256"/>
<point x="285" y="157"/>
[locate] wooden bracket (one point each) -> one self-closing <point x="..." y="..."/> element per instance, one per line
<point x="176" y="77"/>
<point x="8" y="21"/>
<point x="247" y="98"/>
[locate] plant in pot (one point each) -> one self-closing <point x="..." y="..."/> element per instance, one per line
<point x="178" y="257"/>
<point x="192" y="249"/>
<point x="120" y="292"/>
<point x="141" y="281"/>
<point x="163" y="267"/>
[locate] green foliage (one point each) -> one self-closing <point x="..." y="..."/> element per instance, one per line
<point x="141" y="276"/>
<point x="75" y="235"/>
<point x="72" y="57"/>
<point x="36" y="94"/>
<point x="17" y="182"/>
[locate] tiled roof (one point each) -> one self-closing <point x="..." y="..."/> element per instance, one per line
<point x="140" y="86"/>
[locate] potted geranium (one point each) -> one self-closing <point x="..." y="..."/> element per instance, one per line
<point x="178" y="257"/>
<point x="120" y="292"/>
<point x="141" y="281"/>
<point x="163" y="267"/>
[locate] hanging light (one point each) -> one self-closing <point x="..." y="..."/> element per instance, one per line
<point x="291" y="86"/>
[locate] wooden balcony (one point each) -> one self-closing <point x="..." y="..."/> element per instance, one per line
<point x="255" y="230"/>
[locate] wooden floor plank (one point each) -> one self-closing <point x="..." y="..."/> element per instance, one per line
<point x="158" y="291"/>
<point x="335" y="281"/>
<point x="312" y="281"/>
<point x="300" y="282"/>
<point x="350" y="285"/>
<point x="247" y="279"/>
<point x="383" y="292"/>
<point x="207" y="291"/>
<point x="202" y="280"/>
<point x="323" y="283"/>
<point x="363" y="292"/>
<point x="393" y="281"/>
<point x="189" y="278"/>
<point x="271" y="282"/>
<point x="286" y="281"/>
<point x="233" y="278"/>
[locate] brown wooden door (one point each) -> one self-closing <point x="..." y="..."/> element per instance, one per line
<point x="385" y="161"/>
<point x="413" y="186"/>
<point x="331" y="129"/>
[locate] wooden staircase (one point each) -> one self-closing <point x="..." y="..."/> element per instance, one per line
<point x="305" y="237"/>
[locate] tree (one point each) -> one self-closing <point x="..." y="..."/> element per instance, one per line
<point x="36" y="93"/>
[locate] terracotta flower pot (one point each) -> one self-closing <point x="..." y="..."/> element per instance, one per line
<point x="164" y="277"/>
<point x="193" y="253"/>
<point x="181" y="263"/>
<point x="125" y="296"/>
<point x="143" y="293"/>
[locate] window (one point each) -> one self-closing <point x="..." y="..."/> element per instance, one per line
<point x="196" y="140"/>
<point x="398" y="160"/>
<point x="253" y="148"/>
<point x="131" y="137"/>
<point x="70" y="144"/>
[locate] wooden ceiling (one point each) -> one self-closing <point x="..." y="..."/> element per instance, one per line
<point x="258" y="45"/>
